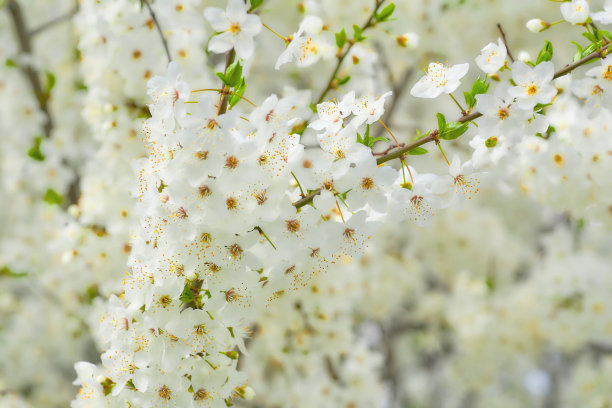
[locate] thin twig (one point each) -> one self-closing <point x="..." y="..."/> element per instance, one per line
<point x="25" y="47"/>
<point x="230" y="56"/>
<point x="594" y="55"/>
<point x="501" y="30"/>
<point x="54" y="21"/>
<point x="342" y="56"/>
<point x="161" y="33"/>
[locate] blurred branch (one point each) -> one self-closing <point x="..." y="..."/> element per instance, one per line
<point x="159" y="30"/>
<point x="54" y="21"/>
<point x="501" y="31"/>
<point x="25" y="48"/>
<point x="342" y="55"/>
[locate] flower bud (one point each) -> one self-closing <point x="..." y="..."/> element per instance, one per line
<point x="408" y="40"/>
<point x="536" y="25"/>
<point x="249" y="393"/>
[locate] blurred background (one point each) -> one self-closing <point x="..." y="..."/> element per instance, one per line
<point x="506" y="303"/>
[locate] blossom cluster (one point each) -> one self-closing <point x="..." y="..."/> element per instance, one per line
<point x="273" y="235"/>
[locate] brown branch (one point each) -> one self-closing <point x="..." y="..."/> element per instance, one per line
<point x="25" y="47"/>
<point x="594" y="55"/>
<point x="342" y="56"/>
<point x="54" y="21"/>
<point x="433" y="136"/>
<point x="501" y="30"/>
<point x="230" y="56"/>
<point x="159" y="30"/>
<point x="388" y="150"/>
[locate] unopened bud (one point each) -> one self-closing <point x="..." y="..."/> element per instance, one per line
<point x="536" y="25"/>
<point x="523" y="56"/>
<point x="249" y="393"/>
<point x="408" y="40"/>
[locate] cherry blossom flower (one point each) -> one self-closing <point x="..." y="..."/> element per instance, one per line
<point x="605" y="16"/>
<point x="332" y="114"/>
<point x="439" y="79"/>
<point x="369" y="110"/>
<point x="237" y="28"/>
<point x="492" y="57"/>
<point x="307" y="45"/>
<point x="533" y="84"/>
<point x="575" y="12"/>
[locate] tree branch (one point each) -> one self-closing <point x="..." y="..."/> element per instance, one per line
<point x="433" y="136"/>
<point x="342" y="56"/>
<point x="501" y="30"/>
<point x="159" y="30"/>
<point x="25" y="47"/>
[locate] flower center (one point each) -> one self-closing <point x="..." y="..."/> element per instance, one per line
<point x="234" y="28"/>
<point x="608" y="73"/>
<point x="532" y="90"/>
<point x="164" y="392"/>
<point x="367" y="183"/>
<point x="503" y="112"/>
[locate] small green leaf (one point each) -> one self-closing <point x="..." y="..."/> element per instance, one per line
<point x="342" y="81"/>
<point x="385" y="13"/>
<point x="545" y="53"/>
<point x="255" y="4"/>
<point x="453" y="130"/>
<point x="187" y="294"/>
<point x="416" y="151"/>
<point x="221" y="76"/>
<point x="233" y="74"/>
<point x="50" y="81"/>
<point x="6" y="271"/>
<point x="10" y="63"/>
<point x="441" y="122"/>
<point x="358" y="33"/>
<point x="589" y="36"/>
<point x="578" y="54"/>
<point x="341" y="38"/>
<point x="53" y="197"/>
<point x="34" y="151"/>
<point x="470" y="101"/>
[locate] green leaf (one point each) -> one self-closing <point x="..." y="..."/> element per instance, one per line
<point x="470" y="101"/>
<point x="238" y="92"/>
<point x="6" y="271"/>
<point x="10" y="63"/>
<point x="378" y="139"/>
<point x="53" y="197"/>
<point x="589" y="36"/>
<point x="545" y="53"/>
<point x="34" y="151"/>
<point x="441" y="122"/>
<point x="578" y="54"/>
<point x="365" y="139"/>
<point x="453" y="130"/>
<point x="187" y="294"/>
<point x="479" y="87"/>
<point x="255" y="4"/>
<point x="233" y="74"/>
<point x="221" y="76"/>
<point x="385" y="13"/>
<point x="416" y="151"/>
<point x="358" y="33"/>
<point x="341" y="38"/>
<point x="342" y="81"/>
<point x="591" y="48"/>
<point x="50" y="81"/>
